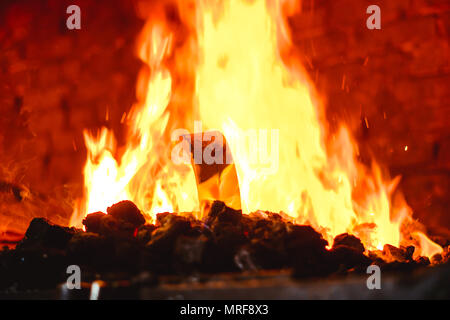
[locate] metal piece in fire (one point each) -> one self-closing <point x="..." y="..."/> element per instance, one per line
<point x="215" y="181"/>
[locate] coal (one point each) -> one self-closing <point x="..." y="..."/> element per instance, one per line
<point x="127" y="212"/>
<point x="220" y="213"/>
<point x="227" y="233"/>
<point x="92" y="221"/>
<point x="392" y="253"/>
<point x="144" y="233"/>
<point x="110" y="225"/>
<point x="171" y="227"/>
<point x="343" y="258"/>
<point x="350" y="241"/>
<point x="347" y="253"/>
<point x="115" y="228"/>
<point x="446" y="255"/>
<point x="423" y="261"/>
<point x="436" y="259"/>
<point x="121" y="243"/>
<point x="41" y="232"/>
<point x="304" y="240"/>
<point x="268" y="236"/>
<point x="91" y="249"/>
<point x="306" y="249"/>
<point x="39" y="261"/>
<point x="158" y="253"/>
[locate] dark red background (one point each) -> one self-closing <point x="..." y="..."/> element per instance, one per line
<point x="55" y="82"/>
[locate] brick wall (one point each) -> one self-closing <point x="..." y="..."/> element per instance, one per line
<point x="54" y="83"/>
<point x="397" y="78"/>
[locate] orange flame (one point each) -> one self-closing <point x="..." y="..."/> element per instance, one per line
<point x="248" y="87"/>
<point x="153" y="182"/>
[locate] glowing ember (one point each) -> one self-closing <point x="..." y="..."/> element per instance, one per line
<point x="250" y="88"/>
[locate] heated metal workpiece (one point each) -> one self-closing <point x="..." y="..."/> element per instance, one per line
<point x="217" y="177"/>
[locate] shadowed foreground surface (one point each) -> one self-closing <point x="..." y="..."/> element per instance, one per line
<point x="388" y="85"/>
<point x="263" y="253"/>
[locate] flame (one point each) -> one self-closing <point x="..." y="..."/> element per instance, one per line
<point x="248" y="86"/>
<point x="426" y="247"/>
<point x="244" y="85"/>
<point x="143" y="174"/>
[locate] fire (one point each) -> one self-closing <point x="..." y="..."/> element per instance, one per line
<point x="249" y="87"/>
<point x="426" y="247"/>
<point x="143" y="175"/>
<point x="243" y="84"/>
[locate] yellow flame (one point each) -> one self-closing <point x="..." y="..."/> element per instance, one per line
<point x="242" y="86"/>
<point x="427" y="247"/>
<point x="247" y="86"/>
<point x="145" y="174"/>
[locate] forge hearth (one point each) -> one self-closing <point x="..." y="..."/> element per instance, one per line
<point x="279" y="285"/>
<point x="120" y="246"/>
<point x="337" y="135"/>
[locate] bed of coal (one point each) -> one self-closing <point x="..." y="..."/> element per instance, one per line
<point x="121" y="246"/>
